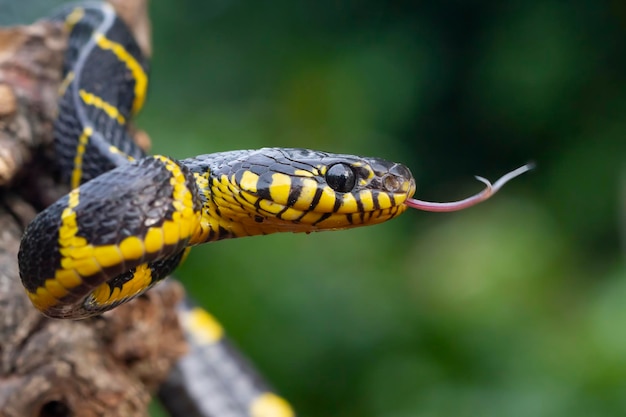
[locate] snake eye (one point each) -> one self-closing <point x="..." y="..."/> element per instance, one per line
<point x="341" y="178"/>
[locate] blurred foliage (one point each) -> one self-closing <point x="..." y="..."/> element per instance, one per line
<point x="513" y="308"/>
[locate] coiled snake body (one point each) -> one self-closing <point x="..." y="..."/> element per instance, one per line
<point x="130" y="218"/>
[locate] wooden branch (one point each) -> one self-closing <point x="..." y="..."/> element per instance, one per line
<point x="105" y="366"/>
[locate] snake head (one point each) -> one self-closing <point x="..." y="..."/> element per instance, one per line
<point x="276" y="190"/>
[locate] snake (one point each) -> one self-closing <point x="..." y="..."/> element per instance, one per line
<point x="129" y="218"/>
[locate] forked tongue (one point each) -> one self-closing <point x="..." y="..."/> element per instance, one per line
<point x="490" y="190"/>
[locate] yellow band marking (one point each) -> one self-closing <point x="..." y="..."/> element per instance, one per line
<point x="108" y="255"/>
<point x="141" y="79"/>
<point x="74" y="17"/>
<point x="367" y="200"/>
<point x="326" y="203"/>
<point x="185" y="221"/>
<point x="249" y="182"/>
<point x="153" y="241"/>
<point x="310" y="217"/>
<point x="270" y="405"/>
<point x="84" y="267"/>
<point x="202" y="234"/>
<point x="235" y="209"/>
<point x="55" y="289"/>
<point x="280" y="187"/>
<point x="68" y="227"/>
<point x="384" y="201"/>
<point x="115" y="150"/>
<point x="291" y="214"/>
<point x="303" y="173"/>
<point x="132" y="247"/>
<point x="307" y="193"/>
<point x="47" y="295"/>
<point x="348" y="204"/>
<point x="93" y="100"/>
<point x="142" y="278"/>
<point x="77" y="172"/>
<point x="42" y="299"/>
<point x="66" y="82"/>
<point x="81" y="259"/>
<point x="203" y="326"/>
<point x="67" y="278"/>
<point x="270" y="206"/>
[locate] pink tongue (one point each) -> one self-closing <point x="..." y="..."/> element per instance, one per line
<point x="473" y="200"/>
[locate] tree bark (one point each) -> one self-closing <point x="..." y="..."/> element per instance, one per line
<point x="105" y="366"/>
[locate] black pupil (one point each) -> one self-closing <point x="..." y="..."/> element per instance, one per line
<point x="341" y="178"/>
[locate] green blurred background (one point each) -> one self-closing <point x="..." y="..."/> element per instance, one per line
<point x="514" y="308"/>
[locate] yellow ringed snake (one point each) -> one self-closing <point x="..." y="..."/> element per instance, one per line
<point x="130" y="219"/>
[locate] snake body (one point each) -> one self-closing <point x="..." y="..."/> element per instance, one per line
<point x="130" y="219"/>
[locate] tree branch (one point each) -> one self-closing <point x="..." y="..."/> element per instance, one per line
<point x="105" y="366"/>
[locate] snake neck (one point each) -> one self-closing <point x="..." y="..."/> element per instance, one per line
<point x="217" y="221"/>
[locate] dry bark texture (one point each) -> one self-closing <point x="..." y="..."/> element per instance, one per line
<point x="106" y="366"/>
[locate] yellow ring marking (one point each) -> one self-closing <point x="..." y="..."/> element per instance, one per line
<point x="303" y="173"/>
<point x="291" y="214"/>
<point x="384" y="200"/>
<point x="93" y="100"/>
<point x="203" y="326"/>
<point x="115" y="150"/>
<point x="77" y="172"/>
<point x="141" y="79"/>
<point x="367" y="199"/>
<point x="202" y="181"/>
<point x="399" y="200"/>
<point x="74" y="17"/>
<point x="80" y="259"/>
<point x="108" y="255"/>
<point x="249" y="181"/>
<point x="67" y="278"/>
<point x="132" y="247"/>
<point x="280" y="187"/>
<point x="47" y="295"/>
<point x="66" y="82"/>
<point x="42" y="298"/>
<point x="348" y="204"/>
<point x="270" y="405"/>
<point x="270" y="206"/>
<point x="310" y="217"/>
<point x="185" y="221"/>
<point x="326" y="203"/>
<point x="153" y="241"/>
<point x="307" y="193"/>
<point x="141" y="279"/>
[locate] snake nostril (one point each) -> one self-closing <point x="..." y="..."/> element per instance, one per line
<point x="391" y="183"/>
